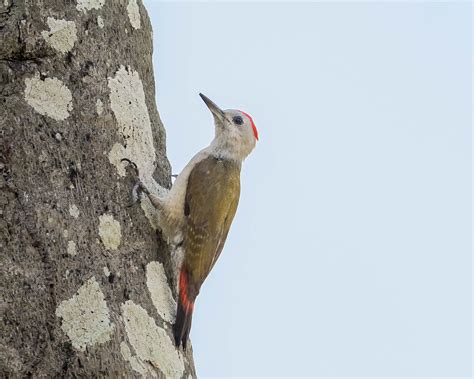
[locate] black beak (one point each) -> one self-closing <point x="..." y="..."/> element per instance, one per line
<point x="216" y="111"/>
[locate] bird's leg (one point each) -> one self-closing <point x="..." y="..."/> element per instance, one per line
<point x="159" y="200"/>
<point x="137" y="188"/>
<point x="140" y="188"/>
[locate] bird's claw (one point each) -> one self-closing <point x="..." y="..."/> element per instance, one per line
<point x="131" y="163"/>
<point x="135" y="196"/>
<point x="138" y="187"/>
<point x="137" y="190"/>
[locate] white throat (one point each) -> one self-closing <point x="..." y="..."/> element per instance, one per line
<point x="228" y="147"/>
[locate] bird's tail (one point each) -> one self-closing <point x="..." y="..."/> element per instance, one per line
<point x="184" y="313"/>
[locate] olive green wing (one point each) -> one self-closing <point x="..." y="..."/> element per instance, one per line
<point x="211" y="201"/>
<point x="225" y="231"/>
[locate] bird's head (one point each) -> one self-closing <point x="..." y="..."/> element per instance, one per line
<point x="236" y="133"/>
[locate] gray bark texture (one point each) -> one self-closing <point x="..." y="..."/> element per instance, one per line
<point x="85" y="288"/>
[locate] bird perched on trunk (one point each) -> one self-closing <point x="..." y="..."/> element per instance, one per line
<point x="196" y="213"/>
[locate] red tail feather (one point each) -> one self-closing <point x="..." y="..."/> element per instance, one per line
<point x="184" y="313"/>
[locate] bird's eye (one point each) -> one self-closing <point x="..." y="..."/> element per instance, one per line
<point x="238" y="120"/>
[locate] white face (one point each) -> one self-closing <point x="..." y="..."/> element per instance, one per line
<point x="238" y="129"/>
<point x="236" y="134"/>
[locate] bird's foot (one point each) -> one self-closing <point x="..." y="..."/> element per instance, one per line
<point x="139" y="187"/>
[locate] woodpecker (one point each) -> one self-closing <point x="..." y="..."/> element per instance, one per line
<point x="196" y="213"/>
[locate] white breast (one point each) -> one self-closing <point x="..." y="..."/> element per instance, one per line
<point x="173" y="201"/>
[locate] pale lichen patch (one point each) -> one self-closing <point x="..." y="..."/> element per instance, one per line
<point x="150" y="342"/>
<point x="85" y="317"/>
<point x="100" y="21"/>
<point x="71" y="248"/>
<point x="87" y="5"/>
<point x="74" y="211"/>
<point x="134" y="14"/>
<point x="49" y="97"/>
<point x="99" y="107"/>
<point x="135" y="362"/>
<point x="62" y="34"/>
<point x="109" y="231"/>
<point x="106" y="271"/>
<point x="160" y="291"/>
<point x="116" y="154"/>
<point x="127" y="101"/>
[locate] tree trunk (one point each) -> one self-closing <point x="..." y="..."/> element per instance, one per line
<point x="85" y="279"/>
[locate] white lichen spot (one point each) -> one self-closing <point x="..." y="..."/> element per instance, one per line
<point x="116" y="154"/>
<point x="49" y="97"/>
<point x="74" y="211"/>
<point x="135" y="362"/>
<point x="87" y="5"/>
<point x="109" y="231"/>
<point x="106" y="271"/>
<point x="134" y="14"/>
<point x="99" y="107"/>
<point x="127" y="101"/>
<point x="160" y="291"/>
<point x="71" y="248"/>
<point x="62" y="34"/>
<point x="150" y="342"/>
<point x="100" y="21"/>
<point x="85" y="317"/>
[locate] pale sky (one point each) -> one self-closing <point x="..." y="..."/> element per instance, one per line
<point x="350" y="255"/>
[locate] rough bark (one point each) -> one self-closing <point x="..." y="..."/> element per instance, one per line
<point x="84" y="292"/>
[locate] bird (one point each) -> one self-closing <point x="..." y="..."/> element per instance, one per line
<point x="197" y="212"/>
